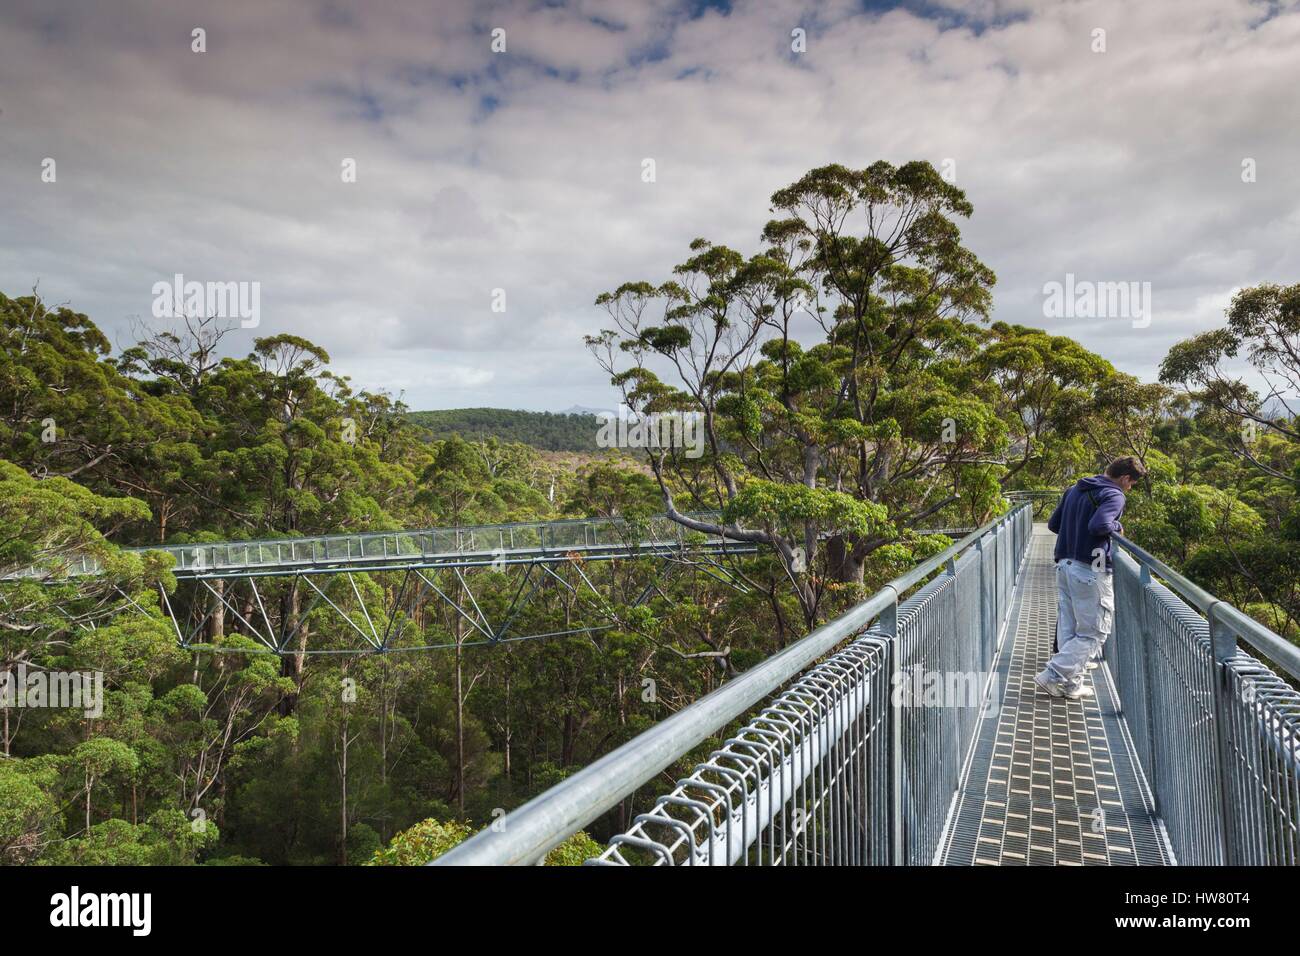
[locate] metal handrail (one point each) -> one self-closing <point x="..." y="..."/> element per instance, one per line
<point x="1231" y="623"/>
<point x="1216" y="730"/>
<point x="527" y="834"/>
<point x="493" y="539"/>
<point x="1041" y="499"/>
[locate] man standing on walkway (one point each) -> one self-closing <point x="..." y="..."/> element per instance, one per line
<point x="1085" y="589"/>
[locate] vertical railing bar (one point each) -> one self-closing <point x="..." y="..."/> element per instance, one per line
<point x="887" y="624"/>
<point x="1149" y="735"/>
<point x="1220" y="681"/>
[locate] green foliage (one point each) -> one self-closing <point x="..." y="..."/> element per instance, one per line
<point x="233" y="860"/>
<point x="768" y="503"/>
<point x="430" y="839"/>
<point x="551" y="431"/>
<point x="613" y="489"/>
<point x="167" y="838"/>
<point x="44" y="524"/>
<point x="1229" y="513"/>
<point x="574" y="851"/>
<point x="422" y="843"/>
<point x="28" y="813"/>
<point x="907" y="412"/>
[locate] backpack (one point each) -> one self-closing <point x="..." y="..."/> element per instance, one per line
<point x="1092" y="496"/>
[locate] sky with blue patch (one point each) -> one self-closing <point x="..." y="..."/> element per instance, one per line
<point x="520" y="170"/>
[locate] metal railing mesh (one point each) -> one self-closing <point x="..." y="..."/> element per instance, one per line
<point x="1216" y="737"/>
<point x="849" y="765"/>
<point x="803" y="782"/>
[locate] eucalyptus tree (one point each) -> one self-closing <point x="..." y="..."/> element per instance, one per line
<point x="830" y="451"/>
<point x="1263" y="330"/>
<point x="1253" y="447"/>
<point x="69" y="409"/>
<point x="1047" y="387"/>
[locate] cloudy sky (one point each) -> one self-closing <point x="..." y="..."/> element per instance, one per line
<point x="522" y="170"/>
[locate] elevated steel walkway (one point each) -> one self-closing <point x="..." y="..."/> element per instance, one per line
<point x="457" y="547"/>
<point x="909" y="732"/>
<point x="247" y="582"/>
<point x="1051" y="781"/>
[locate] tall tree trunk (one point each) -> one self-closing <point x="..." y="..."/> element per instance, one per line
<point x="293" y="665"/>
<point x="460" y="719"/>
<point x="217" y="620"/>
<point x="509" y="731"/>
<point x="844" y="567"/>
<point x="567" y="745"/>
<point x="383" y="722"/>
<point x="343" y="802"/>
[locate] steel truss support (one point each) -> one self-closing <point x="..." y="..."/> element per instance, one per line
<point x="379" y="629"/>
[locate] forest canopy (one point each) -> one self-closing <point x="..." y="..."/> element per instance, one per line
<point x="549" y="431"/>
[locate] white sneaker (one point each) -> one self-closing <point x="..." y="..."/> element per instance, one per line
<point x="1081" y="693"/>
<point x="1052" y="688"/>
<point x="1093" y="665"/>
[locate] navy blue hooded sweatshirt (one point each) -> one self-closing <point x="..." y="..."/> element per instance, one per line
<point x="1086" y="518"/>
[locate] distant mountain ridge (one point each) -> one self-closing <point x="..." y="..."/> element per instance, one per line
<point x="551" y="431"/>
<point x="589" y="410"/>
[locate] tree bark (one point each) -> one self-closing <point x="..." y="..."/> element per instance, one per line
<point x="293" y="665"/>
<point x="217" y="620"/>
<point x="844" y="566"/>
<point x="343" y="782"/>
<point x="460" y="720"/>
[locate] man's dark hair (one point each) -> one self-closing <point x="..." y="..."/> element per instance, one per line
<point x="1129" y="465"/>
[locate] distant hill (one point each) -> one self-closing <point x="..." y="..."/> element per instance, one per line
<point x="588" y="410"/>
<point x="546" y="430"/>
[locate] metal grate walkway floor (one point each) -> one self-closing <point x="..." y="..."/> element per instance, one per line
<point x="1050" y="781"/>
